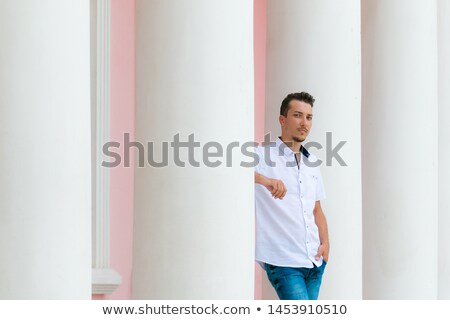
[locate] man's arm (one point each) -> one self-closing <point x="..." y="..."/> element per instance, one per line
<point x="276" y="187"/>
<point x="321" y="222"/>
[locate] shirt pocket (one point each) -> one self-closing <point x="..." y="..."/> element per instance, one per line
<point x="310" y="186"/>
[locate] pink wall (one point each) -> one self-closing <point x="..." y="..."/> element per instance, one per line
<point x="122" y="121"/>
<point x="259" y="33"/>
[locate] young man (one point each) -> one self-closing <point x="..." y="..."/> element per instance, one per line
<point x="291" y="230"/>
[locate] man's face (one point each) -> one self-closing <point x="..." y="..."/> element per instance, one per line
<point x="296" y="125"/>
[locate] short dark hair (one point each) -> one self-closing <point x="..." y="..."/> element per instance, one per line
<point x="300" y="96"/>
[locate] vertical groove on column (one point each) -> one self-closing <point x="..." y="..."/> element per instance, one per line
<point x="101" y="228"/>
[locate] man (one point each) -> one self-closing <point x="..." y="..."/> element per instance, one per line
<point x="291" y="230"/>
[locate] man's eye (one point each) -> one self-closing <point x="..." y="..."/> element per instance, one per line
<point x="309" y="118"/>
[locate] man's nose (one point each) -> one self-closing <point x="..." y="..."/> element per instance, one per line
<point x="302" y="120"/>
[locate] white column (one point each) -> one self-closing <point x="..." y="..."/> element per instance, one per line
<point x="314" y="46"/>
<point x="400" y="149"/>
<point x="194" y="226"/>
<point x="444" y="148"/>
<point x="45" y="156"/>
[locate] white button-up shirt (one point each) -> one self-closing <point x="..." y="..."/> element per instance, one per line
<point x="286" y="233"/>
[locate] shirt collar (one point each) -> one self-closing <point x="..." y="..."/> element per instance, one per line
<point x="286" y="151"/>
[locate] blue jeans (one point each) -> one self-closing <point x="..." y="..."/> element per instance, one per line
<point x="296" y="283"/>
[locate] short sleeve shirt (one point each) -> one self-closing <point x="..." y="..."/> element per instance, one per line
<point x="286" y="233"/>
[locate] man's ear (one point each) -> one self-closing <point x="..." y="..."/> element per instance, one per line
<point x="282" y="120"/>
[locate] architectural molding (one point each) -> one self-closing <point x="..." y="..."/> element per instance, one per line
<point x="104" y="279"/>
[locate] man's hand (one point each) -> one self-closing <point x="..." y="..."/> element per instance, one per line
<point x="321" y="223"/>
<point x="323" y="251"/>
<point x="275" y="187"/>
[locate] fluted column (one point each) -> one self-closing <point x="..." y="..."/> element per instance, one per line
<point x="314" y="46"/>
<point x="400" y="155"/>
<point x="45" y="193"/>
<point x="194" y="226"/>
<point x="444" y="148"/>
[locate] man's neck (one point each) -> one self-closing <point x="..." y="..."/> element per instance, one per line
<point x="293" y="145"/>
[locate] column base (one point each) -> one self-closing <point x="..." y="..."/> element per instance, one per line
<point x="105" y="281"/>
